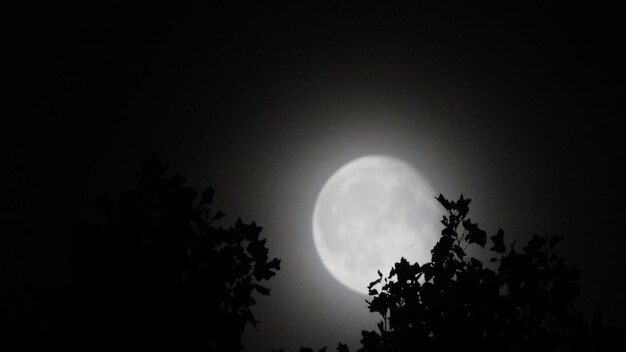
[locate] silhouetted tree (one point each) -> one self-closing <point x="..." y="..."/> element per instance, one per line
<point x="456" y="303"/>
<point x="159" y="273"/>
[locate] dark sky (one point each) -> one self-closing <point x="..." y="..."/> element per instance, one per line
<point x="516" y="108"/>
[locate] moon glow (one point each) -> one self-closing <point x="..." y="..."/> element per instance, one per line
<point x="370" y="213"/>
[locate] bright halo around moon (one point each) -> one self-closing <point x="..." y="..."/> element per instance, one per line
<point x="370" y="213"/>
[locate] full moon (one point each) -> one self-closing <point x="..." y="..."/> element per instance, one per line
<point x="370" y="213"/>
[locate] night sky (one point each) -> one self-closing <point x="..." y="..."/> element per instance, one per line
<point x="517" y="108"/>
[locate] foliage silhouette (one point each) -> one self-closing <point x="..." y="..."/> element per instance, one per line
<point x="159" y="273"/>
<point x="455" y="302"/>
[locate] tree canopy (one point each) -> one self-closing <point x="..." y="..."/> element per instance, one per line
<point x="455" y="302"/>
<point x="521" y="301"/>
<point x="159" y="272"/>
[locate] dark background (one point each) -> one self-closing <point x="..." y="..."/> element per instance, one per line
<point x="515" y="107"/>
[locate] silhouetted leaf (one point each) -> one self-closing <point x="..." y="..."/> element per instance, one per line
<point x="379" y="304"/>
<point x="536" y="243"/>
<point x="374" y="283"/>
<point x="342" y="348"/>
<point x="428" y="271"/>
<point x="274" y="264"/>
<point x="258" y="251"/>
<point x="498" y="242"/>
<point x="262" y="290"/>
<point x="449" y="232"/>
<point x="218" y="215"/>
<point x="370" y="338"/>
<point x="475" y="234"/>
<point x="442" y="249"/>
<point x="443" y="201"/>
<point x="250" y="231"/>
<point x="403" y="270"/>
<point x="458" y="251"/>
<point x="476" y="263"/>
<point x="462" y="206"/>
<point x="249" y="317"/>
